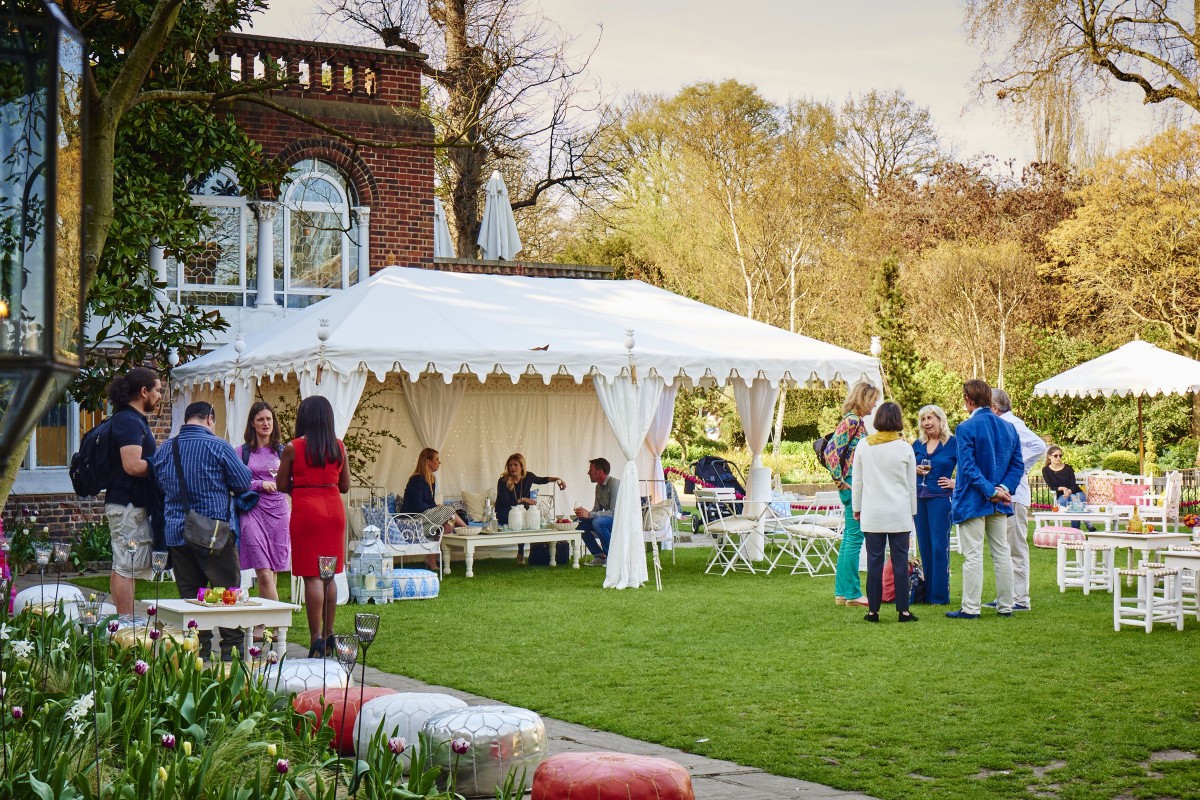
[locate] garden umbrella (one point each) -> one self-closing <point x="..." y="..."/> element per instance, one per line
<point x="443" y="245"/>
<point x="498" y="237"/>
<point x="1138" y="369"/>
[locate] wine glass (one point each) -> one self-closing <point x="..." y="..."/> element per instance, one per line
<point x="924" y="465"/>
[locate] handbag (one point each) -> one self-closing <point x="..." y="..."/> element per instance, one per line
<point x="199" y="531"/>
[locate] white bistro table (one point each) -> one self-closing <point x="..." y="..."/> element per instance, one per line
<point x="1148" y="543"/>
<point x="271" y="613"/>
<point x="1106" y="519"/>
<point x="469" y="544"/>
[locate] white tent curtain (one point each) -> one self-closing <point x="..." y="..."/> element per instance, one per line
<point x="433" y="405"/>
<point x="239" y="395"/>
<point x="630" y="408"/>
<point x="756" y="407"/>
<point x="656" y="441"/>
<point x="342" y="391"/>
<point x="180" y="399"/>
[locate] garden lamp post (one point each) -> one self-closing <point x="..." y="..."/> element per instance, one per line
<point x="88" y="614"/>
<point x="365" y="628"/>
<point x="42" y="130"/>
<point x="158" y="563"/>
<point x="41" y="555"/>
<point x="61" y="551"/>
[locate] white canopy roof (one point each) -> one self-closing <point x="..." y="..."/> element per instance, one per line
<point x="416" y="320"/>
<point x="1136" y="369"/>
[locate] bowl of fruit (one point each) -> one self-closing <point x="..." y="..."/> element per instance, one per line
<point x="564" y="524"/>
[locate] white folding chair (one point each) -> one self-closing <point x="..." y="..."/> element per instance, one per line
<point x="810" y="541"/>
<point x="658" y="526"/>
<point x="730" y="531"/>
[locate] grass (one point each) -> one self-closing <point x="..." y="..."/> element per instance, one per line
<point x="766" y="671"/>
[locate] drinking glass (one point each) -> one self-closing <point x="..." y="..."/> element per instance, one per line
<point x="924" y="465"/>
<point x="326" y="565"/>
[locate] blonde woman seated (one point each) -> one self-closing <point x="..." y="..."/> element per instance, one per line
<point x="514" y="489"/>
<point x="418" y="499"/>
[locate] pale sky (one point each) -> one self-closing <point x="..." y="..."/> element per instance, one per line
<point x="792" y="49"/>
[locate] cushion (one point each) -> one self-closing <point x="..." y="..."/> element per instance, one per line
<point x="388" y="532"/>
<point x="346" y="703"/>
<point x="473" y="503"/>
<point x="409" y="530"/>
<point x="402" y="714"/>
<point x="393" y="503"/>
<point x="1123" y="493"/>
<point x="1050" y="536"/>
<point x="47" y="593"/>
<point x="610" y="776"/>
<point x="414" y="584"/>
<point x="1099" y="488"/>
<point x="298" y="674"/>
<point x="500" y="739"/>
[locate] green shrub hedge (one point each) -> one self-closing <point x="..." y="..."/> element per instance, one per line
<point x="1122" y="461"/>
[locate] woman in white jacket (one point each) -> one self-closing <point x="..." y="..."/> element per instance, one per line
<point x="884" y="502"/>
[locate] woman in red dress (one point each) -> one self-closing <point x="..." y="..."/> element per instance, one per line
<point x="313" y="469"/>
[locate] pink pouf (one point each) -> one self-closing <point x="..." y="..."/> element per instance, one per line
<point x="610" y="776"/>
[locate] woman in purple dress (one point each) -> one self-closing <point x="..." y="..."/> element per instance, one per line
<point x="264" y="544"/>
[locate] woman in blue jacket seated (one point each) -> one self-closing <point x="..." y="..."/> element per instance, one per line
<point x="514" y="489"/>
<point x="418" y="499"/>
<point x="937" y="457"/>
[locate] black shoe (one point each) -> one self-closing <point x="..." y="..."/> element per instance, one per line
<point x="872" y="617"/>
<point x="908" y="616"/>
<point x="330" y="647"/>
<point x="317" y="649"/>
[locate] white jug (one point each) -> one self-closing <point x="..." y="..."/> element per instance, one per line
<point x="516" y="518"/>
<point x="533" y="518"/>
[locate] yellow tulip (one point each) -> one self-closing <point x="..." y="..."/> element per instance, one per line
<point x="162" y="774"/>
<point x="272" y="750"/>
<point x="199" y="663"/>
<point x="187" y="748"/>
<point x="190" y="644"/>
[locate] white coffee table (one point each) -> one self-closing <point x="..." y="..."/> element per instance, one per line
<point x="271" y="613"/>
<point x="469" y="544"/>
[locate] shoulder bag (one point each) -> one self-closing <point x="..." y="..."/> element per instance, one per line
<point x="201" y="532"/>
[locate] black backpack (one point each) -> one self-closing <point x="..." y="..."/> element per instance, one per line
<point x="93" y="467"/>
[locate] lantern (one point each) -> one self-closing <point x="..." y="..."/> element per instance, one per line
<point x="42" y="131"/>
<point x="371" y="567"/>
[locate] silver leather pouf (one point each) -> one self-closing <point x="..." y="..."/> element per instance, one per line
<point x="499" y="739"/>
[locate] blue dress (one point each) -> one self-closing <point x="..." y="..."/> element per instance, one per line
<point x="933" y="518"/>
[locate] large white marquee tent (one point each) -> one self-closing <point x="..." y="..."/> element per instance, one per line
<point x="513" y="356"/>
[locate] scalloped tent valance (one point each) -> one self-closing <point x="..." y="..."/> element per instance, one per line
<point x="416" y="321"/>
<point x="1137" y="369"/>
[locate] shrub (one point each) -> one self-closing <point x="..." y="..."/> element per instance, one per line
<point x="1122" y="461"/>
<point x="1179" y="456"/>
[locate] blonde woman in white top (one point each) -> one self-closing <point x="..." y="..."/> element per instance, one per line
<point x="884" y="500"/>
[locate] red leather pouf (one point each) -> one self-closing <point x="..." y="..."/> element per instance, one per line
<point x="610" y="776"/>
<point x="343" y="731"/>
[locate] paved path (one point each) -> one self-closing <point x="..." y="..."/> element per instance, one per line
<point x="711" y="779"/>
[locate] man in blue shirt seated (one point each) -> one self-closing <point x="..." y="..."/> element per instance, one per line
<point x="213" y="473"/>
<point x="598" y="521"/>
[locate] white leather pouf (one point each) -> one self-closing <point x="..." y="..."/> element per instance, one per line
<point x="414" y="584"/>
<point x="293" y="675"/>
<point x="48" y="593"/>
<point x="500" y="739"/>
<point x="405" y="712"/>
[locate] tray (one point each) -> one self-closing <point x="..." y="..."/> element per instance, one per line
<point x="195" y="602"/>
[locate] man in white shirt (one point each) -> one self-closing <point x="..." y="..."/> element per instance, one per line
<point x="1033" y="448"/>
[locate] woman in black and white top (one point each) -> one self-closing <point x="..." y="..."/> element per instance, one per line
<point x="884" y="495"/>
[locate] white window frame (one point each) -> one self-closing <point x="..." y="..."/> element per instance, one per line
<point x="239" y="290"/>
<point x="296" y="183"/>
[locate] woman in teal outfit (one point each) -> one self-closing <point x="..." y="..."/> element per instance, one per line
<point x="839" y="458"/>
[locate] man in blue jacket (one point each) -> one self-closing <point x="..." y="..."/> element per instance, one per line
<point x="989" y="471"/>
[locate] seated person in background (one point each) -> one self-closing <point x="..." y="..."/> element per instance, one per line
<point x="513" y="489"/>
<point x="1060" y="477"/>
<point x="418" y="499"/>
<point x="599" y="521"/>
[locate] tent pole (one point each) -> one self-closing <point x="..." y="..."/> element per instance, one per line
<point x="1141" y="441"/>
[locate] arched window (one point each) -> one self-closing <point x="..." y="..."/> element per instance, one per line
<point x="214" y="274"/>
<point x="318" y="232"/>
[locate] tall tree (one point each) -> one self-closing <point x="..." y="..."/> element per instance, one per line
<point x="1131" y="253"/>
<point x="1150" y="44"/>
<point x="505" y="88"/>
<point x="888" y="137"/>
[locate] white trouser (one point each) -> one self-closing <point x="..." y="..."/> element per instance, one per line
<point x="971" y="534"/>
<point x="1018" y="545"/>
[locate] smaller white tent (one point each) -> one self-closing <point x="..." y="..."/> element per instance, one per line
<point x="433" y="326"/>
<point x="1138" y="369"/>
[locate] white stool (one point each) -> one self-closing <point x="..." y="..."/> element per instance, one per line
<point x="1158" y="597"/>
<point x="1084" y="565"/>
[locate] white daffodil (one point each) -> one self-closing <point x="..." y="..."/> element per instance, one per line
<point x="5" y="632"/>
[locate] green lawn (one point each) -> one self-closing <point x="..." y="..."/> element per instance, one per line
<point x="768" y="672"/>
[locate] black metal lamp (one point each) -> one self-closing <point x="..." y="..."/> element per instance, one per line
<point x="42" y="133"/>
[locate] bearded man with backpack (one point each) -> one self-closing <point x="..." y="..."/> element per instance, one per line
<point x="131" y="490"/>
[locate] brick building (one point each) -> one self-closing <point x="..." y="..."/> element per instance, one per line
<point x="341" y="212"/>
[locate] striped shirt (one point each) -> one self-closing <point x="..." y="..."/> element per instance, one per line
<point x="212" y="469"/>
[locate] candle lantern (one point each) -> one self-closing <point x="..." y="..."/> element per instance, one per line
<point x="372" y="569"/>
<point x="42" y="76"/>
